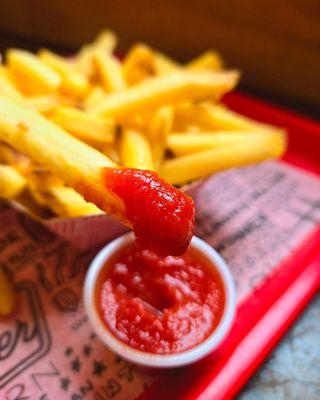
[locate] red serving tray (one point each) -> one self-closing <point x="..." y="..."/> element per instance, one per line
<point x="267" y="314"/>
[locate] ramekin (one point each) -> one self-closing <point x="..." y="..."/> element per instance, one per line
<point x="150" y="359"/>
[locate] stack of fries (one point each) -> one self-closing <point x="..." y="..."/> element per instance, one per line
<point x="146" y="112"/>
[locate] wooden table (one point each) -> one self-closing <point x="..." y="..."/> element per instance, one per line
<point x="275" y="43"/>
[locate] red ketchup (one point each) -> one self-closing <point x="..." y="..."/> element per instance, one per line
<point x="162" y="216"/>
<point x="161" y="305"/>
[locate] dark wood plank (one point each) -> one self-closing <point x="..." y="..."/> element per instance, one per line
<point x="275" y="44"/>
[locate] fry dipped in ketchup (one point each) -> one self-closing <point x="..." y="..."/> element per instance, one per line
<point x="161" y="216"/>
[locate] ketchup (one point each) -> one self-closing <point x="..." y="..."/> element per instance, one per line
<point x="157" y="304"/>
<point x="162" y="216"/>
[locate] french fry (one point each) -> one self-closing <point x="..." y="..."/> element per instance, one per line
<point x="139" y="64"/>
<point x="73" y="82"/>
<point x="60" y="64"/>
<point x="8" y="88"/>
<point x="210" y="60"/>
<point x="260" y="147"/>
<point x="28" y="203"/>
<point x="95" y="97"/>
<point x="84" y="61"/>
<point x="214" y="117"/>
<point x="161" y="121"/>
<point x="170" y="89"/>
<point x="16" y="159"/>
<point x="78" y="164"/>
<point x="137" y="121"/>
<point x="64" y="201"/>
<point x="166" y="65"/>
<point x="135" y="150"/>
<point x="89" y="128"/>
<point x="7" y="154"/>
<point x="39" y="181"/>
<point x="32" y="72"/>
<point x="158" y="129"/>
<point x="110" y="71"/>
<point x="7" y="295"/>
<point x="106" y="42"/>
<point x="12" y="183"/>
<point x="224" y="118"/>
<point x="181" y="144"/>
<point x="44" y="104"/>
<point x="111" y="151"/>
<point x="143" y="62"/>
<point x="31" y="133"/>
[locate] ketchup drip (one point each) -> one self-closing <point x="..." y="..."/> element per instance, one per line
<point x="162" y="216"/>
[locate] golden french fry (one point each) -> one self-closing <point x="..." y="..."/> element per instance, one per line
<point x="181" y="144"/>
<point x="210" y="60"/>
<point x="73" y="82"/>
<point x="111" y="151"/>
<point x="64" y="201"/>
<point x="8" y="88"/>
<point x="160" y="122"/>
<point x="158" y="129"/>
<point x="138" y="122"/>
<point x="79" y="165"/>
<point x="135" y="150"/>
<point x="16" y="159"/>
<point x="260" y="147"/>
<point x="166" y="65"/>
<point x="214" y="117"/>
<point x="28" y="203"/>
<point x="110" y="71"/>
<point x="32" y="72"/>
<point x="7" y="295"/>
<point x="89" y="128"/>
<point x="106" y="42"/>
<point x="12" y="183"/>
<point x="47" y="143"/>
<point x="95" y="97"/>
<point x="56" y="62"/>
<point x="7" y="154"/>
<point x="170" y="89"/>
<point x="224" y="118"/>
<point x="139" y="64"/>
<point x="84" y="61"/>
<point x="143" y="62"/>
<point x="44" y="104"/>
<point x="38" y="182"/>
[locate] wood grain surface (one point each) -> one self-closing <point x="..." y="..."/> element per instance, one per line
<point x="275" y="43"/>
